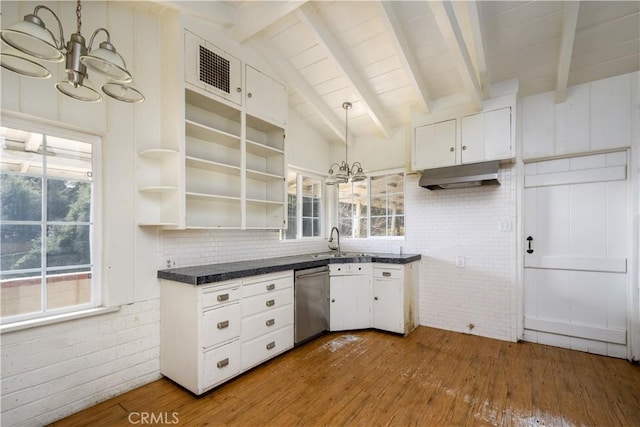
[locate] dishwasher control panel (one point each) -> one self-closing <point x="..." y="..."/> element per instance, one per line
<point x="349" y="269"/>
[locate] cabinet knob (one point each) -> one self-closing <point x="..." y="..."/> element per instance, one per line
<point x="375" y="298"/>
<point x="333" y="300"/>
<point x="464" y="147"/>
<point x="238" y="89"/>
<point x="249" y="95"/>
<point x="452" y="149"/>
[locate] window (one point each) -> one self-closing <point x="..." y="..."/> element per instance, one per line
<point x="46" y="225"/>
<point x="304" y="198"/>
<point x="372" y="208"/>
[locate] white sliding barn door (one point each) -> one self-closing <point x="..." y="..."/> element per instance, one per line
<point x="575" y="271"/>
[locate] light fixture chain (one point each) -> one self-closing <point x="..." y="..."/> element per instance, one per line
<point x="79" y="15"/>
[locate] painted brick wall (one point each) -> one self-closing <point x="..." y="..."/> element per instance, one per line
<point x="53" y="371"/>
<point x="441" y="225"/>
<point x="197" y="247"/>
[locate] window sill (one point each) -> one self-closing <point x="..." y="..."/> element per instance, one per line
<point x="50" y="320"/>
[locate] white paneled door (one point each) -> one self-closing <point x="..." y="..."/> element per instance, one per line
<point x="575" y="259"/>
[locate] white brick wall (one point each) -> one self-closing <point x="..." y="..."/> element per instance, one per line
<point x="53" y="371"/>
<point x="198" y="247"/>
<point x="441" y="225"/>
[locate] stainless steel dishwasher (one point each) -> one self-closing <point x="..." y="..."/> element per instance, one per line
<point x="311" y="291"/>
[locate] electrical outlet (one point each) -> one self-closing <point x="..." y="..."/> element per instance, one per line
<point x="461" y="261"/>
<point x="171" y="263"/>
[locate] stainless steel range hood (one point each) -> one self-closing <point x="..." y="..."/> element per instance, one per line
<point x="471" y="175"/>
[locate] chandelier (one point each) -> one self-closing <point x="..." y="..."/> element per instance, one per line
<point x="31" y="38"/>
<point x="345" y="172"/>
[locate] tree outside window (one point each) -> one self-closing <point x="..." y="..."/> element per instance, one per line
<point x="46" y="224"/>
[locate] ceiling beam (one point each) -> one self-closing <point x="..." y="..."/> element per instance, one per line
<point x="405" y="54"/>
<point x="569" y="23"/>
<point x="478" y="47"/>
<point x="451" y="32"/>
<point x="255" y="16"/>
<point x="334" y="51"/>
<point x="277" y="61"/>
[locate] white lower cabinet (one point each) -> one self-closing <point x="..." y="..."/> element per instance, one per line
<point x="267" y="317"/>
<point x="211" y="333"/>
<point x="350" y="296"/>
<point x="395" y="296"/>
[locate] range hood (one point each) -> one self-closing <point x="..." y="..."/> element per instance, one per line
<point x="471" y="175"/>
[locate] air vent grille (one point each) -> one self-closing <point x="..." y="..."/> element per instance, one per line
<point x="214" y="70"/>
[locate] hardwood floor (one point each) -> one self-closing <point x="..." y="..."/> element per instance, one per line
<point x="370" y="378"/>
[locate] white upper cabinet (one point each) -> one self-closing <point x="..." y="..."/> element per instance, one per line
<point x="475" y="138"/>
<point x="212" y="69"/>
<point x="486" y="136"/>
<point x="434" y="145"/>
<point x="266" y="98"/>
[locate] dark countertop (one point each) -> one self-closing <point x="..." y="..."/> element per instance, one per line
<point x="203" y="274"/>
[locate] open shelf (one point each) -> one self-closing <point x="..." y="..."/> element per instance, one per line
<point x="262" y="176"/>
<point x="208" y="165"/>
<point x="207" y="133"/>
<point x="158" y="189"/>
<point x="157" y="153"/>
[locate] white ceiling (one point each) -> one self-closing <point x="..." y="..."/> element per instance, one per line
<point x="393" y="58"/>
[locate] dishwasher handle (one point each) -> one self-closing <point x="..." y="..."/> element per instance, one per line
<point x="319" y="273"/>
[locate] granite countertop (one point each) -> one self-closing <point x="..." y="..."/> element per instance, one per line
<point x="203" y="274"/>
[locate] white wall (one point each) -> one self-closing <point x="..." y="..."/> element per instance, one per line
<point x="51" y="371"/>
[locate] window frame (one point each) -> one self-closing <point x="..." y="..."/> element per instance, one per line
<point x="300" y="173"/>
<point x="403" y="171"/>
<point x="60" y="130"/>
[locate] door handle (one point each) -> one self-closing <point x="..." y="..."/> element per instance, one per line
<point x="529" y="239"/>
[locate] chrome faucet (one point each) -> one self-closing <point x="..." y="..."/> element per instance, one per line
<point x="336" y="246"/>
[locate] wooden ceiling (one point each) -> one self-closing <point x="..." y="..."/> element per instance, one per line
<point x="395" y="58"/>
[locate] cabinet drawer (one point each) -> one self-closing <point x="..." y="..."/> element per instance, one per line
<point x="266" y="302"/>
<point x="268" y="285"/>
<point x="214" y="296"/>
<point x="220" y="364"/>
<point x="220" y="324"/>
<point x="263" y="323"/>
<point x="266" y="346"/>
<point x="388" y="273"/>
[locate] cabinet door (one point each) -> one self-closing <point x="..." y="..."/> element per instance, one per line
<point x="265" y="97"/>
<point x="497" y="134"/>
<point x="472" y="138"/>
<point x="388" y="306"/>
<point x="486" y="136"/>
<point x="434" y="145"/>
<point x="350" y="303"/>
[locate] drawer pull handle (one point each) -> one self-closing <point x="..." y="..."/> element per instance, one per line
<point x="270" y="322"/>
<point x="271" y="345"/>
<point x="386" y="274"/>
<point x="271" y="287"/>
<point x="222" y="325"/>
<point x="223" y="297"/>
<point x="223" y="363"/>
<point x="271" y="303"/>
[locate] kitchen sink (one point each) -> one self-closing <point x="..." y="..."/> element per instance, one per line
<point x="340" y="255"/>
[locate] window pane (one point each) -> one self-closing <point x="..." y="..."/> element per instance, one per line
<point x="68" y="200"/>
<point x="317" y="227"/>
<point x="68" y="245"/>
<point x="307" y="206"/>
<point x="20" y="293"/>
<point x="395" y="226"/>
<point x="65" y="289"/>
<point x="378" y="206"/>
<point x="346" y="226"/>
<point x="20" y="198"/>
<point x="292" y="207"/>
<point x="378" y="226"/>
<point x="396" y="204"/>
<point x="21" y="246"/>
<point x="361" y="229"/>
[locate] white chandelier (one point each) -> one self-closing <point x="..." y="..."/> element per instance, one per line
<point x="345" y="172"/>
<point x="31" y="38"/>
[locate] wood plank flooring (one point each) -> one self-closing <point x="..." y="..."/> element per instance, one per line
<point x="369" y="378"/>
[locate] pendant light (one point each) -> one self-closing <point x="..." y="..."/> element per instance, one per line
<point x="30" y="37"/>
<point x="345" y="171"/>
